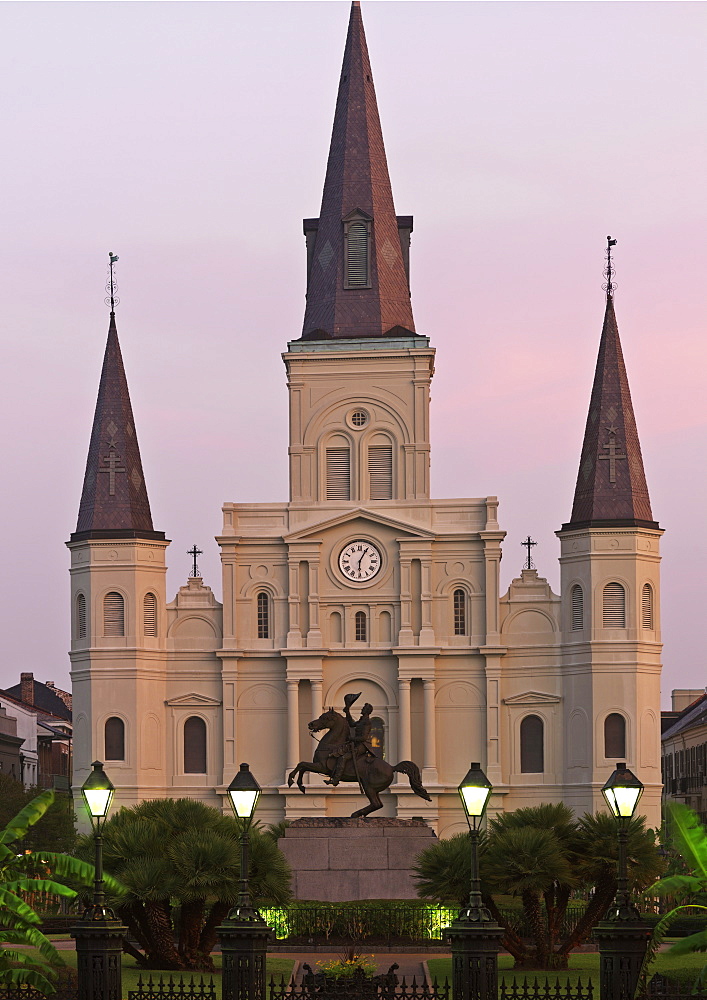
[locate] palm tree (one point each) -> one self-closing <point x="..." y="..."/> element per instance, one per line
<point x="23" y="873"/>
<point x="180" y="861"/>
<point x="540" y="854"/>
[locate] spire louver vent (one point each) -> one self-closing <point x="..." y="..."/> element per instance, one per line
<point x="357" y="255"/>
<point x="577" y="608"/>
<point x="614" y="606"/>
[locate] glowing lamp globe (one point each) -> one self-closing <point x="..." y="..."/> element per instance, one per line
<point x="474" y="791"/>
<point x="622" y="792"/>
<point x="244" y="792"/>
<point x="97" y="791"/>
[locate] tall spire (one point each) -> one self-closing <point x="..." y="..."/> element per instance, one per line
<point x="357" y="281"/>
<point x="114" y="501"/>
<point x="611" y="486"/>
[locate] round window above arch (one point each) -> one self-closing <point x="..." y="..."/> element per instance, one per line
<point x="358" y="418"/>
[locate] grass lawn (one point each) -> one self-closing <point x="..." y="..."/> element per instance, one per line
<point x="583" y="965"/>
<point x="131" y="973"/>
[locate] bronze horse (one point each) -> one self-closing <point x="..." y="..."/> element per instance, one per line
<point x="373" y="774"/>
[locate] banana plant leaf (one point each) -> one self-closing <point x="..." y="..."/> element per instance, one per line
<point x="40" y="885"/>
<point x="27" y="817"/>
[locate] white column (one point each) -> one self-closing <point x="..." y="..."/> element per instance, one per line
<point x="430" y="744"/>
<point x="294" y="634"/>
<point x="404" y="747"/>
<point x="293" y="756"/>
<point x="317" y="707"/>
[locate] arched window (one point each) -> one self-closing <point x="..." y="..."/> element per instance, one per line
<point x="149" y="614"/>
<point x="81" y="622"/>
<point x="338" y="474"/>
<point x="615" y="736"/>
<point x="380" y="472"/>
<point x="113" y="614"/>
<point x="577" y="599"/>
<point x="614" y="606"/>
<point x="115" y="739"/>
<point x="356" y="254"/>
<point x="385" y="627"/>
<point x="532" y="755"/>
<point x="263" y="615"/>
<point x="361" y="626"/>
<point x="647" y="606"/>
<point x="378" y="736"/>
<point x="459" y="612"/>
<point x="194" y="745"/>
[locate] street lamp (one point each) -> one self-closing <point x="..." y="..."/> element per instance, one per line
<point x="244" y="934"/>
<point x="622" y="792"/>
<point x="97" y="792"/>
<point x="474" y="936"/>
<point x="474" y="791"/>
<point x="244" y="793"/>
<point x="99" y="936"/>
<point x="622" y="935"/>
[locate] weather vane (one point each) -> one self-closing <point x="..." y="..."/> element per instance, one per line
<point x="609" y="269"/>
<point x="112" y="299"/>
<point x="528" y="544"/>
<point x="194" y="552"/>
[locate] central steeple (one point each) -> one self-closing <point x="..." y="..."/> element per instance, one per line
<point x="357" y="250"/>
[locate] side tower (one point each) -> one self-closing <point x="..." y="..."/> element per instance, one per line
<point x="610" y="587"/>
<point x="118" y="617"/>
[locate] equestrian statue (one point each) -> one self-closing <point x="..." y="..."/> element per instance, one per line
<point x="344" y="753"/>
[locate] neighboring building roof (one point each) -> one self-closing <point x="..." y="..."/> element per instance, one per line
<point x="691" y="717"/>
<point x="45" y="702"/>
<point x="611" y="486"/>
<point x="357" y="180"/>
<point x="114" y="502"/>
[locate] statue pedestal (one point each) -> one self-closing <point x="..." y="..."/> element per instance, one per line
<point x="336" y="859"/>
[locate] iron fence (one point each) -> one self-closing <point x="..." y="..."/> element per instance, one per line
<point x="327" y="988"/>
<point x="545" y="990"/>
<point x="173" y="989"/>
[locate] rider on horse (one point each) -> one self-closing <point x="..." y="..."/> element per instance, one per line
<point x="359" y="742"/>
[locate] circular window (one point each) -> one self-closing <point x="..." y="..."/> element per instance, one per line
<point x="359" y="418"/>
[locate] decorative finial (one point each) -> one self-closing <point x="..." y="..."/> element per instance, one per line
<point x="609" y="269"/>
<point x="528" y="544"/>
<point x="194" y="552"/>
<point x="112" y="299"/>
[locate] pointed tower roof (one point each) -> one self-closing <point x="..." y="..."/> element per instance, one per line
<point x="611" y="486"/>
<point x="114" y="500"/>
<point x="357" y="187"/>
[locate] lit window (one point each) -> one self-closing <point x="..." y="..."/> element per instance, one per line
<point x="263" y="616"/>
<point x="459" y="612"/>
<point x="361" y="627"/>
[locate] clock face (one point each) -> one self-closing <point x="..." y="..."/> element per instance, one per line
<point x="360" y="561"/>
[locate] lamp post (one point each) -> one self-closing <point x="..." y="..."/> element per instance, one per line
<point x="244" y="934"/>
<point x="99" y="936"/>
<point x="475" y="936"/>
<point x="623" y="936"/>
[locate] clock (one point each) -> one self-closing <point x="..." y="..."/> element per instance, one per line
<point x="360" y="561"/>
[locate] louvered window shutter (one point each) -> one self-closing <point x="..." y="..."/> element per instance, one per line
<point x="577" y="608"/>
<point x="338" y="474"/>
<point x="113" y="614"/>
<point x="380" y="470"/>
<point x="81" y="628"/>
<point x="647" y="606"/>
<point x="149" y="614"/>
<point x="356" y="259"/>
<point x="614" y="606"/>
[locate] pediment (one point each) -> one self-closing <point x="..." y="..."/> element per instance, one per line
<point x="193" y="700"/>
<point x="532" y="698"/>
<point x="357" y="213"/>
<point x="373" y="517"/>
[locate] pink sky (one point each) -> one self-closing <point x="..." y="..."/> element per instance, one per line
<point x="191" y="139"/>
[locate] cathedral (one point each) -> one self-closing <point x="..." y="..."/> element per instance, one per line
<point x="361" y="581"/>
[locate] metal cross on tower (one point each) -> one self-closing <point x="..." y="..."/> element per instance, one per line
<point x="194" y="552"/>
<point x="609" y="269"/>
<point x="528" y="544"/>
<point x="112" y="285"/>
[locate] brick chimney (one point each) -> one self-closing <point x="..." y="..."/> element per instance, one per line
<point x="27" y="688"/>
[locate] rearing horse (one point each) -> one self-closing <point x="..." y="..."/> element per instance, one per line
<point x="372" y="773"/>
